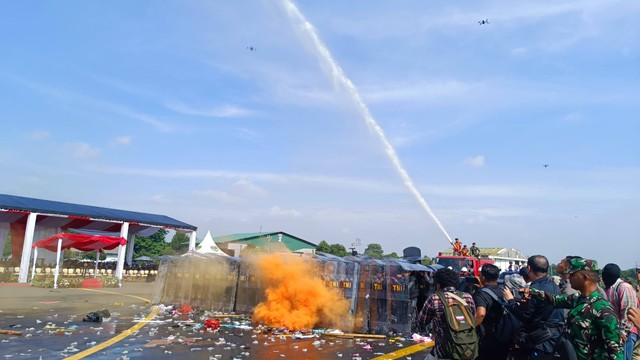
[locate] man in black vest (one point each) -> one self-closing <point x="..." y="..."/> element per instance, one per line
<point x="542" y="324"/>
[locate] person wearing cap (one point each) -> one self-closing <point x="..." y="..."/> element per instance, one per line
<point x="475" y="251"/>
<point x="565" y="285"/>
<point x="623" y="297"/>
<point x="514" y="282"/>
<point x="592" y="325"/>
<point x="457" y="247"/>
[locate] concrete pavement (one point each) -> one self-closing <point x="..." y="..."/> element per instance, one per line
<point x="51" y="325"/>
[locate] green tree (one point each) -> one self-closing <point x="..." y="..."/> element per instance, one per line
<point x="393" y="255"/>
<point x="323" y="247"/>
<point x="427" y="260"/>
<point x="333" y="249"/>
<point x="68" y="254"/>
<point x="168" y="251"/>
<point x="374" y="250"/>
<point x="179" y="243"/>
<point x="338" y="250"/>
<point x="150" y="245"/>
<point x="628" y="274"/>
<point x="91" y="255"/>
<point x="7" y="246"/>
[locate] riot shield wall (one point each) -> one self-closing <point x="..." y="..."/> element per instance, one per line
<point x="379" y="319"/>
<point x="219" y="285"/>
<point x="401" y="297"/>
<point x="161" y="288"/>
<point x="203" y="281"/>
<point x="251" y="291"/>
<point x="359" y="293"/>
<point x="341" y="276"/>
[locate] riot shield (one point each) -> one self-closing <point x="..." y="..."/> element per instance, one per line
<point x="250" y="291"/>
<point x="402" y="295"/>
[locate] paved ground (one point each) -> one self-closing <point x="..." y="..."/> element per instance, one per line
<point x="52" y="328"/>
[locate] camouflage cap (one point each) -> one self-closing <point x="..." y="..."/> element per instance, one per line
<point x="578" y="264"/>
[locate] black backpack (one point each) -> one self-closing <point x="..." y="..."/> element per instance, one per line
<point x="461" y="339"/>
<point x="507" y="327"/>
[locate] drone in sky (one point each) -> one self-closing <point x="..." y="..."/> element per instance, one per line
<point x="483" y="22"/>
<point x="251" y="48"/>
<point x="546" y="165"/>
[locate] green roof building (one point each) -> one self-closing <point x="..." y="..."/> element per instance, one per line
<point x="269" y="241"/>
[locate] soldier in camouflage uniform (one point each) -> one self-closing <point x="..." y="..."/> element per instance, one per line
<point x="591" y="322"/>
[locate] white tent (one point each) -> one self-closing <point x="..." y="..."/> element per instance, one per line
<point x="208" y="246"/>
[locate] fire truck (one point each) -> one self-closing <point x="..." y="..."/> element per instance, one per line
<point x="457" y="262"/>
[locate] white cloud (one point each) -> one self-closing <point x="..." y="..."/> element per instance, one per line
<point x="519" y="51"/>
<point x="245" y="188"/>
<point x="432" y="92"/>
<point x="158" y="124"/>
<point x="240" y="192"/>
<point x="475" y="161"/>
<point x="303" y="95"/>
<point x="65" y="96"/>
<point x="487" y="212"/>
<point x="277" y="211"/>
<point x="82" y="150"/>
<point x="122" y="140"/>
<point x="220" y="196"/>
<point x="604" y="177"/>
<point x="406" y="25"/>
<point x="489" y="190"/>
<point x="573" y="117"/>
<point x="247" y="134"/>
<point x="279" y="84"/>
<point x="225" y="111"/>
<point x="275" y="178"/>
<point x="160" y="199"/>
<point x="39" y="135"/>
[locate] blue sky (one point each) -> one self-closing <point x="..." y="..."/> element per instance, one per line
<point x="161" y="107"/>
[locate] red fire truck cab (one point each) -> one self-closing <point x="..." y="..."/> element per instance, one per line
<point x="472" y="264"/>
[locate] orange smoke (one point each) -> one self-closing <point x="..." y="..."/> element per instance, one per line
<point x="296" y="297"/>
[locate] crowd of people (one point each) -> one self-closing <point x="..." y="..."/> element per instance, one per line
<point x="586" y="313"/>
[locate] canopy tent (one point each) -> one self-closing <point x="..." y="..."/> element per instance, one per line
<point x="80" y="242"/>
<point x="29" y="219"/>
<point x="208" y="246"/>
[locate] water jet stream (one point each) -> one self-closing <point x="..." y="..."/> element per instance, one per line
<point x="341" y="80"/>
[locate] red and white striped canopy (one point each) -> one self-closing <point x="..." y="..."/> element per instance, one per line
<point x="80" y="242"/>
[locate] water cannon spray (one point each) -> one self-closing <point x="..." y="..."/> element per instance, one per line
<point x="342" y="82"/>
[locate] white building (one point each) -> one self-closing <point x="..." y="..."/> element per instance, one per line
<point x="503" y="257"/>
